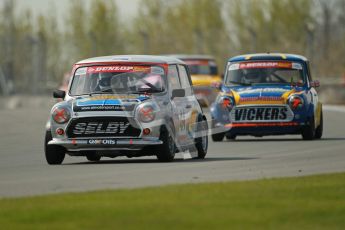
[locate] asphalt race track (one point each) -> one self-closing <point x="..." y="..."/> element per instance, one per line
<point x="23" y="170"/>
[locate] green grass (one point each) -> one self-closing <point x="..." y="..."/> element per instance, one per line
<point x="316" y="202"/>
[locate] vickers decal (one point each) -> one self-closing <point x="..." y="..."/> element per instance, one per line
<point x="264" y="114"/>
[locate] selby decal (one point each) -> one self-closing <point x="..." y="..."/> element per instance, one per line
<point x="100" y="128"/>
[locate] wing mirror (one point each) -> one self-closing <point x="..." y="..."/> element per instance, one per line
<point x="59" y="94"/>
<point x="178" y="93"/>
<point x="315" y="84"/>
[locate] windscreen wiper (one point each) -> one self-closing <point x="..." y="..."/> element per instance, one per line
<point x="150" y="85"/>
<point x="240" y="83"/>
<point x="149" y="90"/>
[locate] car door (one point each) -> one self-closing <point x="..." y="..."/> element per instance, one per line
<point x="177" y="104"/>
<point x="190" y="108"/>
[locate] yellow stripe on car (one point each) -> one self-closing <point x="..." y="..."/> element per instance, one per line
<point x="205" y="80"/>
<point x="248" y="57"/>
<point x="286" y="95"/>
<point x="236" y="96"/>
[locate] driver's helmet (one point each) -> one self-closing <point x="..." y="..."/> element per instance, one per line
<point x="154" y="80"/>
<point x="252" y="77"/>
<point x="104" y="80"/>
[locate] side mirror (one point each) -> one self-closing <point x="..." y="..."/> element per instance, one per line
<point x="59" y="94"/>
<point x="315" y="84"/>
<point x="178" y="93"/>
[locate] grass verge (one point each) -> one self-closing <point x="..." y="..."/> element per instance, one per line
<point x="314" y="202"/>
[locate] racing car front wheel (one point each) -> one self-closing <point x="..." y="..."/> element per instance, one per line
<point x="166" y="151"/>
<point x="217" y="136"/>
<point x="54" y="154"/>
<point x="308" y="132"/>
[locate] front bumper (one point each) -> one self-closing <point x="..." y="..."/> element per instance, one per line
<point x="262" y="128"/>
<point x="262" y="124"/>
<point x="104" y="144"/>
<point x="223" y="121"/>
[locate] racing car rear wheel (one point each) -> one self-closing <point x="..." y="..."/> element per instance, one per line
<point x="201" y="143"/>
<point x="308" y="132"/>
<point x="319" y="129"/>
<point x="54" y="154"/>
<point x="166" y="151"/>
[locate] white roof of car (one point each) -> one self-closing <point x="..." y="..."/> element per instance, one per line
<point x="133" y="58"/>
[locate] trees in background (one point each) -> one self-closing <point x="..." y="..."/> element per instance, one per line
<point x="269" y="25"/>
<point x="94" y="30"/>
<point x="36" y="52"/>
<point x="186" y="26"/>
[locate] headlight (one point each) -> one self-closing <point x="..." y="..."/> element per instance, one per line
<point x="296" y="102"/>
<point x="226" y="103"/>
<point x="146" y="113"/>
<point x="61" y="115"/>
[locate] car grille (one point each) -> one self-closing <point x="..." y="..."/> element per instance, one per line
<point x="102" y="127"/>
<point x="261" y="114"/>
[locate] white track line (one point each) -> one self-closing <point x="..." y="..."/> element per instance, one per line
<point x="334" y="108"/>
